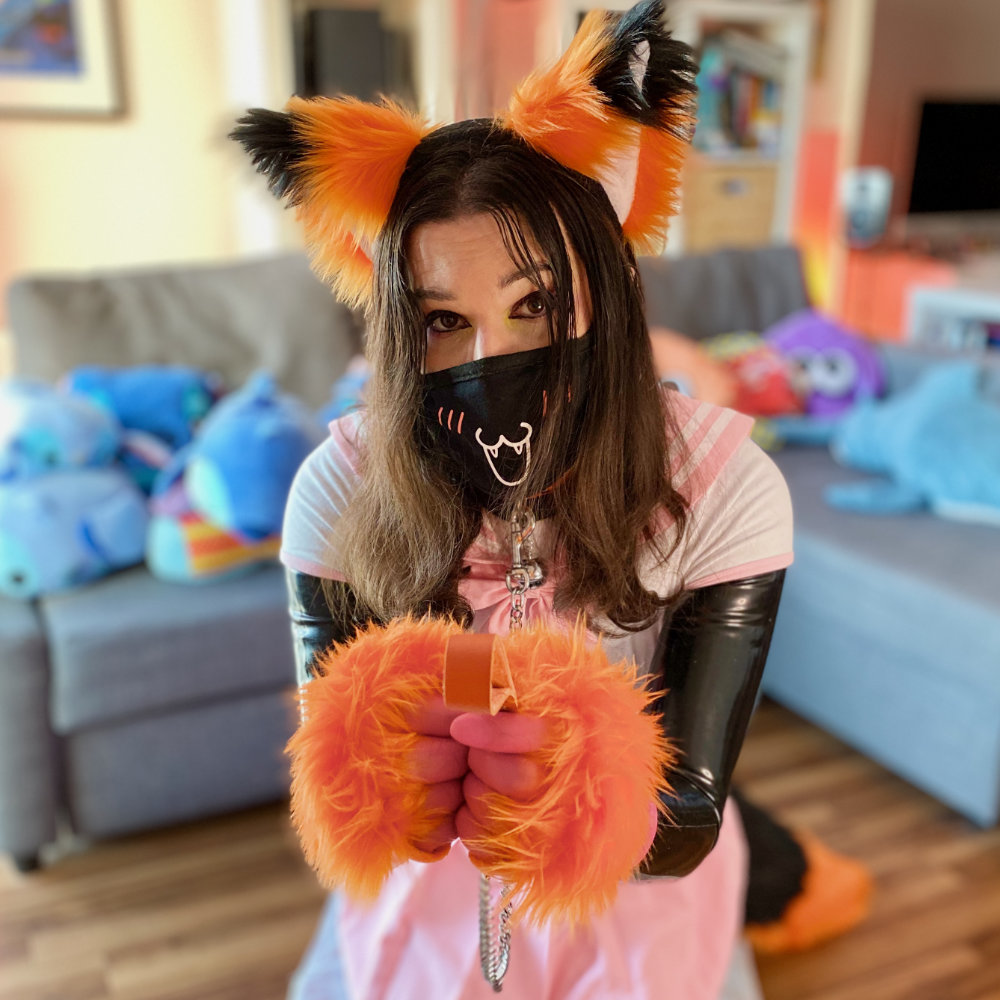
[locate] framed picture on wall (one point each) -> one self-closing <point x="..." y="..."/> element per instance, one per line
<point x="59" y="57"/>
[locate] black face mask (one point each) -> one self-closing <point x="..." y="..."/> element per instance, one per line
<point x="484" y="416"/>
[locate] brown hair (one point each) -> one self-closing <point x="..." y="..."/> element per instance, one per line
<point x="405" y="530"/>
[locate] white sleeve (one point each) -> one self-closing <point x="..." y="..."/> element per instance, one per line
<point x="320" y="491"/>
<point x="742" y="526"/>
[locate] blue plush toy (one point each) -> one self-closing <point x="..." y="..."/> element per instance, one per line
<point x="158" y="406"/>
<point x="68" y="527"/>
<point x="43" y="429"/>
<point x="348" y="391"/>
<point x="219" y="506"/>
<point x="241" y="465"/>
<point x="938" y="442"/>
<point x="167" y="401"/>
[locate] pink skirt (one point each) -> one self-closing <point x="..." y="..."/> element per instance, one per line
<point x="662" y="937"/>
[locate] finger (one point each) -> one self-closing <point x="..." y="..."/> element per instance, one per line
<point x="474" y="792"/>
<point x="472" y="833"/>
<point x="444" y="798"/>
<point x="438" y="842"/>
<point x="432" y="718"/>
<point x="437" y="758"/>
<point x="511" y="774"/>
<point x="506" y="732"/>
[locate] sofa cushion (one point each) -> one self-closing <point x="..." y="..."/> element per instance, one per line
<point x="230" y="319"/>
<point x="904" y="364"/>
<point x="130" y="644"/>
<point x="889" y="636"/>
<point x="210" y="759"/>
<point x="920" y="560"/>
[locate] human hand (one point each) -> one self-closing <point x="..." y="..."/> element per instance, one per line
<point x="500" y="762"/>
<point x="440" y="763"/>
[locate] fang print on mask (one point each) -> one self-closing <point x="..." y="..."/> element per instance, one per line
<point x="493" y="453"/>
<point x="488" y="462"/>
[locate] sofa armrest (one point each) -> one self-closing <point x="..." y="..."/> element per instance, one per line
<point x="905" y="363"/>
<point x="725" y="291"/>
<point x="29" y="778"/>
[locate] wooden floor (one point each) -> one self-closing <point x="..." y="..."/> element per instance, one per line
<point x="222" y="910"/>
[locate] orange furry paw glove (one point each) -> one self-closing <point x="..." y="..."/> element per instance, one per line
<point x="601" y="761"/>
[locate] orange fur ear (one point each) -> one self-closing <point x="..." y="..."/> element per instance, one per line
<point x="355" y="155"/>
<point x="657" y="184"/>
<point x="561" y="112"/>
<point x="618" y="104"/>
<point x="338" y="161"/>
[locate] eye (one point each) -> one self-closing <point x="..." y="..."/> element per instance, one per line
<point x="444" y="322"/>
<point x="833" y="373"/>
<point x="533" y="306"/>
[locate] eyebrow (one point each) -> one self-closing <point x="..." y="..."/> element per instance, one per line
<point x="504" y="282"/>
<point x="523" y="272"/>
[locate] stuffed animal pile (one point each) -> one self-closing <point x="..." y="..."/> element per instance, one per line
<point x="158" y="408"/>
<point x="112" y="467"/>
<point x="798" y="377"/>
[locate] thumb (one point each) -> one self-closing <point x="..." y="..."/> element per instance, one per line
<point x="506" y="732"/>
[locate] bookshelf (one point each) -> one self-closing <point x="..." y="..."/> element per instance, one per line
<point x="742" y="176"/>
<point x="739" y="188"/>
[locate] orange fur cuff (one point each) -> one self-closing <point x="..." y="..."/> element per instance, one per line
<point x="564" y="853"/>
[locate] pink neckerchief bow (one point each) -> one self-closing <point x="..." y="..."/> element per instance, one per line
<point x="484" y="586"/>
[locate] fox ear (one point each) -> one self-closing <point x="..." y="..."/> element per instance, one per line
<point x="618" y="106"/>
<point x="338" y="161"/>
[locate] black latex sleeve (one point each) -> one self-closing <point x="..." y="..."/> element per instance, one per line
<point x="708" y="664"/>
<point x="318" y="621"/>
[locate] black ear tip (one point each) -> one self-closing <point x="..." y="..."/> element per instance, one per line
<point x="254" y="122"/>
<point x="271" y="140"/>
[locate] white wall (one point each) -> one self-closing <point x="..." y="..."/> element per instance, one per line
<point x="156" y="185"/>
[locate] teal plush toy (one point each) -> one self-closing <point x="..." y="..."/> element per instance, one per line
<point x="68" y="527"/>
<point x="43" y="429"/>
<point x="938" y="443"/>
<point x="219" y="506"/>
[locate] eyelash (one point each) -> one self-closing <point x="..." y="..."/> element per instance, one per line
<point x="541" y="293"/>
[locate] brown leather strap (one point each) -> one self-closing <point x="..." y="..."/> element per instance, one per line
<point x="477" y="674"/>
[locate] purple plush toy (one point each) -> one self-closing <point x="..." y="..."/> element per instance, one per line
<point x="840" y="366"/>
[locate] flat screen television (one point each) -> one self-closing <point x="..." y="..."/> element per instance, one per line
<point x="955" y="187"/>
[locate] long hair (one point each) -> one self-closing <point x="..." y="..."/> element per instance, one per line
<point x="406" y="528"/>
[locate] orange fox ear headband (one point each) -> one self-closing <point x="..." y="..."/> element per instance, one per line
<point x="617" y="107"/>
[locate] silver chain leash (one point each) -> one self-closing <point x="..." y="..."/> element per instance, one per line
<point x="494" y="916"/>
<point x="494" y="948"/>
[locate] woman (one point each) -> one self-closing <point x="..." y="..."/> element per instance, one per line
<point x="513" y="381"/>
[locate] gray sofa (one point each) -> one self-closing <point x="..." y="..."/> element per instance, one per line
<point x="133" y="703"/>
<point x="889" y="629"/>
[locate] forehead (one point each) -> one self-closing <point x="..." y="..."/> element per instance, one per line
<point x="469" y="244"/>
